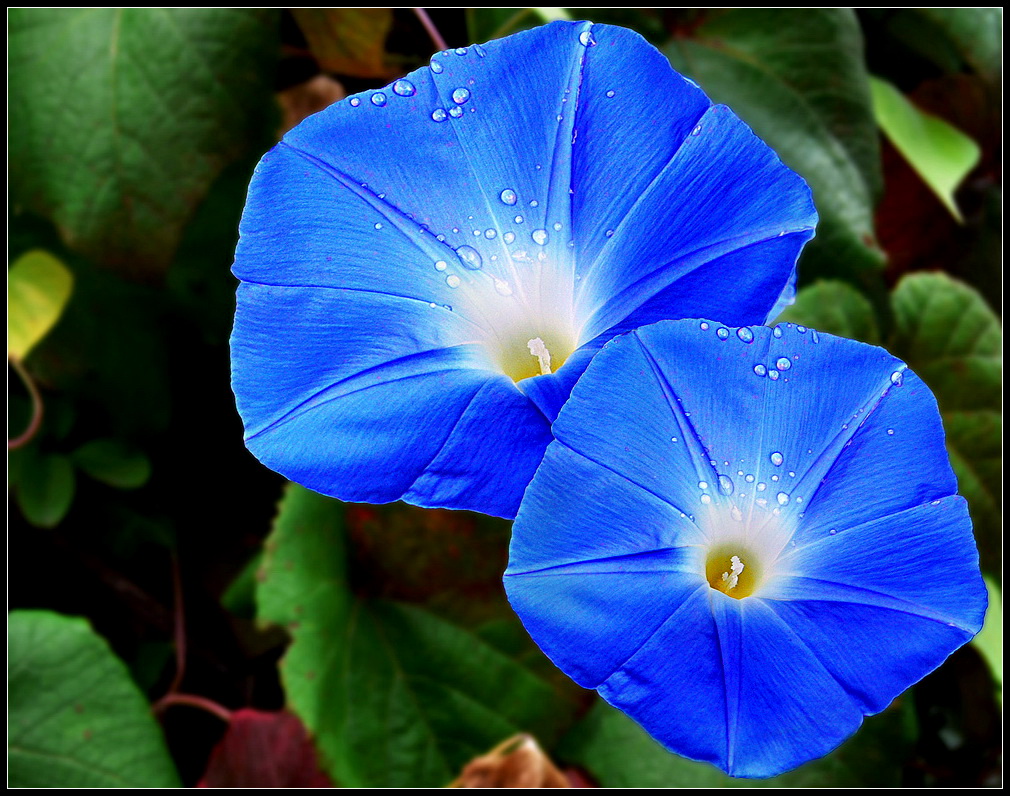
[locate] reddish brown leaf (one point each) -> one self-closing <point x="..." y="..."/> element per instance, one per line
<point x="518" y="762"/>
<point x="264" y="750"/>
<point x="348" y="41"/>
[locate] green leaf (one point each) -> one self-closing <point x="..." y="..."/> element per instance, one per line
<point x="976" y="33"/>
<point x="45" y="489"/>
<point x="114" y="463"/>
<point x="484" y="24"/>
<point x="121" y="118"/>
<point x="989" y="641"/>
<point x="836" y="308"/>
<point x="393" y="695"/>
<point x="620" y="754"/>
<point x="951" y="338"/>
<point x="38" y="288"/>
<point x="348" y="41"/>
<point x="76" y="720"/>
<point x="941" y="154"/>
<point x="798" y="79"/>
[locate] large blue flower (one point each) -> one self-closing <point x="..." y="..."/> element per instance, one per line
<point x="746" y="539"/>
<point x="427" y="269"/>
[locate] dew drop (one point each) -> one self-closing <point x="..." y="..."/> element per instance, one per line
<point x="470" y="257"/>
<point x="782" y="498"/>
<point x="508" y="237"/>
<point x="490" y="234"/>
<point x="435" y="66"/>
<point x="814" y="336"/>
<point x="792" y="474"/>
<point x="703" y="485"/>
<point x="736" y="514"/>
<point x="508" y="196"/>
<point x="378" y="225"/>
<point x="760" y="369"/>
<point x="503" y="287"/>
<point x="452" y="280"/>
<point x="801" y="329"/>
<point x="441" y="265"/>
<point x="610" y="94"/>
<point x="586" y="38"/>
<point x="762" y="486"/>
<point x="609" y="233"/>
<point x="777" y="331"/>
<point x="706" y="499"/>
<point x="897" y="378"/>
<point x="404" y="88"/>
<point x="439" y="115"/>
<point x="673" y="439"/>
<point x="557" y="226"/>
<point x="540" y="236"/>
<point x="460" y="96"/>
<point x="745" y="334"/>
<point x="518" y="219"/>
<point x="534" y="202"/>
<point x="704" y="326"/>
<point x="722" y="333"/>
<point x="432" y="304"/>
<point x="890" y="432"/>
<point x="833" y="531"/>
<point x="777" y="458"/>
<point x="355" y="102"/>
<point x="378" y="98"/>
<point x="455" y="112"/>
<point x="749" y="478"/>
<point x="460" y="51"/>
<point x="726" y="485"/>
<point x="783" y="363"/>
<point x="775" y="478"/>
<point x="773" y="375"/>
<point x="799" y="499"/>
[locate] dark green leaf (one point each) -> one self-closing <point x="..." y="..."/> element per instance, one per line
<point x="121" y="118"/>
<point x="45" y="488"/>
<point x="348" y="41"/>
<point x="76" y="720"/>
<point x="620" y="754"/>
<point x="114" y="463"/>
<point x="799" y="81"/>
<point x="941" y="154"/>
<point x="38" y="288"/>
<point x="834" y="307"/>
<point x="393" y="695"/>
<point x="976" y="34"/>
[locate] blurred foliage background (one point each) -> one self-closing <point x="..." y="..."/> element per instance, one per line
<point x="179" y="615"/>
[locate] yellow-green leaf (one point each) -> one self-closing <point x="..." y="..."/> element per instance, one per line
<point x="989" y="641"/>
<point x="941" y="154"/>
<point x="38" y="288"/>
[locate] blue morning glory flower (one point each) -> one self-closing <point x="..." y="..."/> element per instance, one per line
<point x="426" y="269"/>
<point x="747" y="539"/>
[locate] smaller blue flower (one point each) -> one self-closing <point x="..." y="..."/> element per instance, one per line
<point x="747" y="539"/>
<point x="427" y="269"/>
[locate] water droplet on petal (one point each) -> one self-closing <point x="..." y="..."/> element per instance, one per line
<point x="435" y="66"/>
<point x="726" y="485"/>
<point x="503" y="287"/>
<point x="508" y="237"/>
<point x="557" y="226"/>
<point x="518" y="219"/>
<point x="460" y="96"/>
<point x="586" y="38"/>
<point x="534" y="202"/>
<point x="490" y="234"/>
<point x="749" y="478"/>
<point x="775" y="478"/>
<point x="801" y="329"/>
<point x="609" y="233"/>
<point x="777" y="459"/>
<point x="610" y="94"/>
<point x="378" y="225"/>
<point x="816" y="337"/>
<point x="460" y="51"/>
<point x="745" y="334"/>
<point x="777" y="331"/>
<point x="890" y="432"/>
<point x="703" y="485"/>
<point x="441" y="265"/>
<point x="762" y="486"/>
<point x="833" y="531"/>
<point x="773" y="375"/>
<point x="782" y="498"/>
<point x="704" y="326"/>
<point x="439" y="115"/>
<point x="736" y="514"/>
<point x="540" y="236"/>
<point x="470" y="257"/>
<point x="455" y="112"/>
<point x="508" y="196"/>
<point x="355" y="102"/>
<point x="452" y="280"/>
<point x="378" y="98"/>
<point x="783" y="363"/>
<point x="760" y="369"/>
<point x="897" y="378"/>
<point x="404" y="88"/>
<point x="706" y="499"/>
<point x="722" y="333"/>
<point x="673" y="439"/>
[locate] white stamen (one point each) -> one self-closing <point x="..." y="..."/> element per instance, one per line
<point x="538" y="349"/>
<point x="732" y="578"/>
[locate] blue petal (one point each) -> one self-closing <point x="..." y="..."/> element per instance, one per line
<point x="659" y="460"/>
<point x="488" y="186"/>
